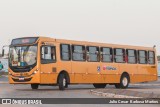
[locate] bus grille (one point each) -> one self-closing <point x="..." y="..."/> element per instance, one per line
<point x="25" y="80"/>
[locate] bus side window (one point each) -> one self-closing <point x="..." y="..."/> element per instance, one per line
<point x="93" y="54"/>
<point x="131" y="56"/>
<point x="106" y="54"/>
<point x="48" y="54"/>
<point x="142" y="56"/>
<point x="65" y="52"/>
<point x="119" y="55"/>
<point x="151" y="57"/>
<point x="78" y="53"/>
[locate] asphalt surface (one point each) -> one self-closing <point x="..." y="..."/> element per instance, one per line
<point x="139" y="90"/>
<point x="74" y="91"/>
<point x="25" y="91"/>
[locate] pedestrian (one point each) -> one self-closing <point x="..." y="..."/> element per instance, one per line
<point x="1" y="66"/>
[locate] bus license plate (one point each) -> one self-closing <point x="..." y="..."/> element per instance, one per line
<point x="21" y="78"/>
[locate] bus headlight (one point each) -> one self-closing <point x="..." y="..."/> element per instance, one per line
<point x="35" y="72"/>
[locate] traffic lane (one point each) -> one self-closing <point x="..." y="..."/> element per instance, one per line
<point x="74" y="91"/>
<point x="149" y="87"/>
<point x="131" y="92"/>
<point x="25" y="91"/>
<point x="146" y="89"/>
<point x="134" y="90"/>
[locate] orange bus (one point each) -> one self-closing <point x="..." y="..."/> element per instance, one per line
<point x="48" y="61"/>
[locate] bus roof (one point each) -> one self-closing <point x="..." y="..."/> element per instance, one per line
<point x="41" y="38"/>
<point x="95" y="43"/>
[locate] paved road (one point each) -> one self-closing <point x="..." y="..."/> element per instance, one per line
<point x="74" y="91"/>
<point x="24" y="91"/>
<point x="140" y="90"/>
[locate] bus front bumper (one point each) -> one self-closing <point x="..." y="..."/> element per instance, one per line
<point x="24" y="80"/>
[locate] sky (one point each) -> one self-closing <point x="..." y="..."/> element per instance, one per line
<point x="128" y="22"/>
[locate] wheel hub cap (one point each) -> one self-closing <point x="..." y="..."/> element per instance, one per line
<point x="64" y="82"/>
<point x="125" y="81"/>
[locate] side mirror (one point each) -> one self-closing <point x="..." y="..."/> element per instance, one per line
<point x="2" y="52"/>
<point x="45" y="50"/>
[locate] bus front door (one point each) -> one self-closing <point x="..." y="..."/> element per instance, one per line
<point x="48" y="64"/>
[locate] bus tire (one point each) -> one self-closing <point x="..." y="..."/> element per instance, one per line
<point x="99" y="85"/>
<point x="66" y="85"/>
<point x="117" y="86"/>
<point x="62" y="82"/>
<point x="124" y="82"/>
<point x="34" y="86"/>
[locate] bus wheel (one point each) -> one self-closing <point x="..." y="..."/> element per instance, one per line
<point x="124" y="82"/>
<point x="99" y="85"/>
<point x="34" y="86"/>
<point x="66" y="85"/>
<point x="62" y="82"/>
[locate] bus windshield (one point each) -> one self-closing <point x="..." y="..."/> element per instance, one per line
<point x="22" y="55"/>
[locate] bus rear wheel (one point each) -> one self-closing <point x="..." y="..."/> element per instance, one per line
<point x="34" y="86"/>
<point x="62" y="82"/>
<point x="124" y="82"/>
<point x="99" y="85"/>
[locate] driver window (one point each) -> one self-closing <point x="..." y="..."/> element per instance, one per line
<point x="48" y="54"/>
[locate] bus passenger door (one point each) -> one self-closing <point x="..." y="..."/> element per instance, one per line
<point x="48" y="64"/>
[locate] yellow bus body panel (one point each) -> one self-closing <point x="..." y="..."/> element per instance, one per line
<point x="85" y="72"/>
